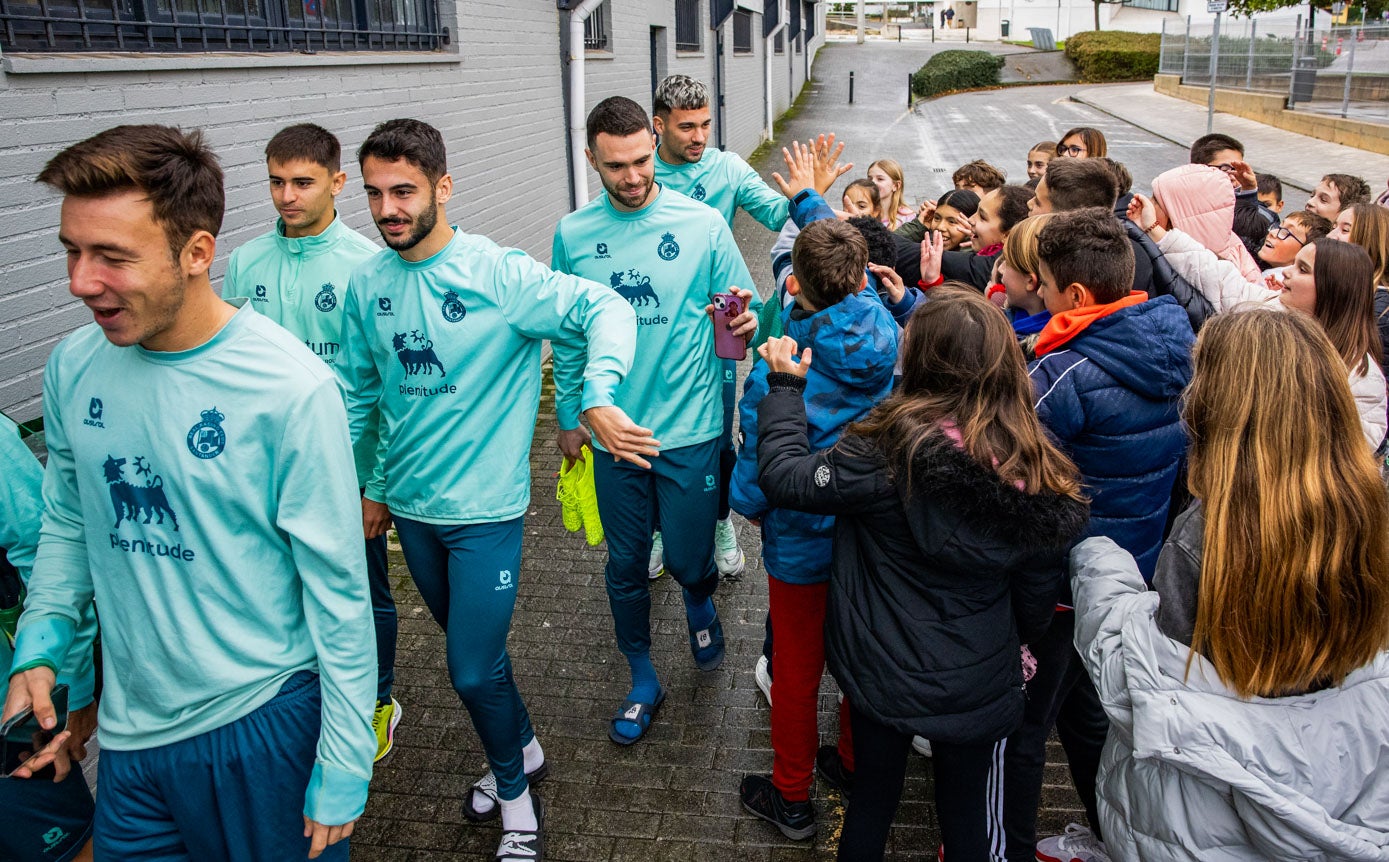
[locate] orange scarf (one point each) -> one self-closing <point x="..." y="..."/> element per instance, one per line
<point x="1068" y="324"/>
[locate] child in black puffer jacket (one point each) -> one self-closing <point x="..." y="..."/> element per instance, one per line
<point x="954" y="515"/>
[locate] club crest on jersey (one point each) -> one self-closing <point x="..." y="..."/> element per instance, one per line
<point x="669" y="249"/>
<point x="130" y="500"/>
<point x="600" y="251"/>
<point x="416" y="353"/>
<point x="453" y="308"/>
<point x="698" y="192"/>
<point x="207" y="439"/>
<point x="326" y="299"/>
<point x="634" y="287"/>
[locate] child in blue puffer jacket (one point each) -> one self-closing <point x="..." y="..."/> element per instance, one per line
<point x="853" y="339"/>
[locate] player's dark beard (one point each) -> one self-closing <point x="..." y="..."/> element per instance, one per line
<point x="423" y="224"/>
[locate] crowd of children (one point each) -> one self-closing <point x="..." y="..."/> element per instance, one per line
<point x="1071" y="380"/>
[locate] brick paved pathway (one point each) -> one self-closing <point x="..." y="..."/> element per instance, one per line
<point x="672" y="796"/>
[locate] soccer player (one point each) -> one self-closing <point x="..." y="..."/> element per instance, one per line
<point x="443" y="333"/>
<point x="199" y="487"/>
<point x="667" y="256"/>
<point x="296" y="275"/>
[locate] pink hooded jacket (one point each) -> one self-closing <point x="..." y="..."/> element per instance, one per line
<point x="1201" y="203"/>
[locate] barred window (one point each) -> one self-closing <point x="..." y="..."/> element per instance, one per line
<point x="742" y="32"/>
<point x="809" y="18"/>
<point x="687" y="29"/>
<point x="596" y="27"/>
<point x="220" y="25"/>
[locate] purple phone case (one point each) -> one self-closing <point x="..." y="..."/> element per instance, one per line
<point x="727" y="345"/>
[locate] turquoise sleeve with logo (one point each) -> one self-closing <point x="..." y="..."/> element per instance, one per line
<point x="361" y="380"/>
<point x="764" y="203"/>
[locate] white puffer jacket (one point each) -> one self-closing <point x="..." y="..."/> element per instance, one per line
<point x="1221" y="283"/>
<point x="1193" y="773"/>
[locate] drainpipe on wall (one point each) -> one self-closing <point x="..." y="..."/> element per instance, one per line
<point x="577" y="163"/>
<point x="767" y="73"/>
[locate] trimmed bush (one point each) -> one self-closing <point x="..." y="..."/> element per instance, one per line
<point x="956" y="70"/>
<point x="1114" y="55"/>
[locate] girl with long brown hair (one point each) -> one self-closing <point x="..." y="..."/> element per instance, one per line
<point x="1369" y="229"/>
<point x="1249" y="695"/>
<point x="954" y="511"/>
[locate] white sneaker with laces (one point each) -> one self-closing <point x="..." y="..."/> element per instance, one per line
<point x="1078" y="844"/>
<point x="763" y="674"/>
<point x="727" y="555"/>
<point x="656" y="566"/>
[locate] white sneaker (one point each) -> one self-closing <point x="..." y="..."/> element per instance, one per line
<point x="656" y="566"/>
<point x="921" y="745"/>
<point x="727" y="555"/>
<point x="763" y="674"/>
<point x="1077" y="845"/>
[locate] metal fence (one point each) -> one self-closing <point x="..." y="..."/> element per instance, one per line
<point x="1335" y="70"/>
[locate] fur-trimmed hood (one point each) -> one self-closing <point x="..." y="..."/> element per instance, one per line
<point x="988" y="509"/>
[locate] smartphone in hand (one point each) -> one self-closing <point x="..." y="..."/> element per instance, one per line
<point x="728" y="306"/>
<point x="21" y="737"/>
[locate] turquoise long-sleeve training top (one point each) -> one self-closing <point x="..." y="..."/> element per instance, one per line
<point x="300" y="283"/>
<point x="449" y="348"/>
<point x="667" y="260"/>
<point x="21" y="513"/>
<point x="725" y="182"/>
<point x="206" y="499"/>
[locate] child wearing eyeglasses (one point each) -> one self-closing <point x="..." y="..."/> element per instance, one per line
<point x="1284" y="241"/>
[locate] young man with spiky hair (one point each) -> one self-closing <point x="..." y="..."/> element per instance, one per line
<point x="443" y="334"/>
<point x="199" y="489"/>
<point x="667" y="255"/>
<point x="296" y="275"/>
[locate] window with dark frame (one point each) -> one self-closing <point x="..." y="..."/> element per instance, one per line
<point x="779" y="42"/>
<point x="687" y="26"/>
<point x="220" y="25"/>
<point x="742" y="32"/>
<point x="809" y="18"/>
<point x="596" y="27"/>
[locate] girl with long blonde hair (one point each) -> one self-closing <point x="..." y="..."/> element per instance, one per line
<point x="887" y="175"/>
<point x="1259" y="664"/>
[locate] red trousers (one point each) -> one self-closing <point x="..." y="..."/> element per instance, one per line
<point x="798" y="663"/>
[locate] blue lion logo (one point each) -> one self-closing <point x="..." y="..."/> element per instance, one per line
<point x="131" y="501"/>
<point x="417" y="356"/>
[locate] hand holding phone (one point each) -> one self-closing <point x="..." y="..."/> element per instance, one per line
<point x="727" y="343"/>
<point x="23" y="736"/>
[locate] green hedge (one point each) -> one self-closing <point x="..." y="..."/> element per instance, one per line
<point x="956" y="70"/>
<point x="1114" y="55"/>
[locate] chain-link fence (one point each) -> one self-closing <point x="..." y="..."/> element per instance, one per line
<point x="1334" y="70"/>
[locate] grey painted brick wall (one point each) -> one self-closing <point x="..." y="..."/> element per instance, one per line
<point x="497" y="96"/>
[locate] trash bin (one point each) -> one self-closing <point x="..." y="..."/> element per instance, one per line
<point x="1003" y="27"/>
<point x="1304" y="80"/>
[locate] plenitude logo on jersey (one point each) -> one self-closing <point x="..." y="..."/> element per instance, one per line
<point x="139" y="504"/>
<point x="636" y="288"/>
<point x="415" y="351"/>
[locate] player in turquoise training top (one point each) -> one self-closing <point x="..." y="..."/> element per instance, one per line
<point x="43" y="819"/>
<point x="666" y="255"/>
<point x="443" y="333"/>
<point x="684" y="162"/>
<point x="200" y="489"/>
<point x="296" y="275"/>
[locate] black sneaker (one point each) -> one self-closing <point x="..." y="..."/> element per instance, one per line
<point x="831" y="768"/>
<point x="796" y="820"/>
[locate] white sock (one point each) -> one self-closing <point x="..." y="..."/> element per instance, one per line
<point x="518" y="815"/>
<point x="482" y="802"/>
<point x="534" y="755"/>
